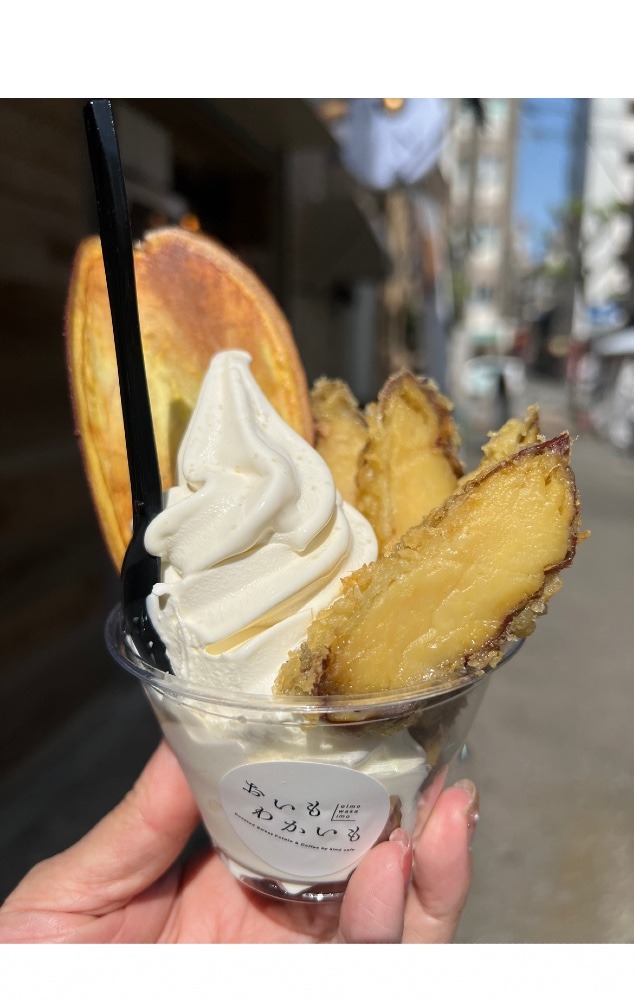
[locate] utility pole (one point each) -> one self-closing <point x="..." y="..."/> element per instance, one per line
<point x="576" y="182"/>
<point x="477" y="122"/>
<point x="472" y="151"/>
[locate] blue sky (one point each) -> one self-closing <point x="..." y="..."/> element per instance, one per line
<point x="543" y="160"/>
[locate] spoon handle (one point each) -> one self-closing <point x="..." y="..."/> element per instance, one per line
<point x="140" y="570"/>
<point x="116" y="241"/>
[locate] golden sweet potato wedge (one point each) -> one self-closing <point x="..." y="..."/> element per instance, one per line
<point x="195" y="298"/>
<point x="475" y="574"/>
<point x="410" y="463"/>
<point x="340" y="432"/>
<point x="516" y="433"/>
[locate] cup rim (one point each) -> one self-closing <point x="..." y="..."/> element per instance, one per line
<point x="124" y="654"/>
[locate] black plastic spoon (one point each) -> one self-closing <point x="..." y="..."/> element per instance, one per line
<point x="140" y="570"/>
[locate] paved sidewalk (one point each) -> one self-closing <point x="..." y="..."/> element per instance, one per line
<point x="553" y="744"/>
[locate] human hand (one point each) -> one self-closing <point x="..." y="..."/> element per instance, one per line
<point x="119" y="884"/>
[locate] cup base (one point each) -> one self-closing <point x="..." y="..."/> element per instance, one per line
<point x="324" y="892"/>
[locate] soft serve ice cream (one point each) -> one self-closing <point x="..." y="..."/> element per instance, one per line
<point x="254" y="538"/>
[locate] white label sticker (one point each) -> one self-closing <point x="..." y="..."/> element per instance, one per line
<point x="303" y="818"/>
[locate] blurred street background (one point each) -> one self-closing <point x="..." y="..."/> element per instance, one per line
<point x="488" y="243"/>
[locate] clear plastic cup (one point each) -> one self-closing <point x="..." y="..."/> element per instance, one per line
<point x="294" y="792"/>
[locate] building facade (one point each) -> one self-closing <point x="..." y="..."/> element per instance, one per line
<point x="480" y="164"/>
<point x="609" y="186"/>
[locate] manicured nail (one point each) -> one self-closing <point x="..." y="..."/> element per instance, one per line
<point x="473" y="806"/>
<point x="400" y="836"/>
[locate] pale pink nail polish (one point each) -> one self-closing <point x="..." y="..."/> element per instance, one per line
<point x="401" y="837"/>
<point x="472" y="808"/>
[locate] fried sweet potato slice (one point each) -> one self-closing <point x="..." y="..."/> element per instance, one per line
<point x="340" y="432"/>
<point x="195" y="298"/>
<point x="516" y="433"/>
<point x="410" y="464"/>
<point x="472" y="576"/>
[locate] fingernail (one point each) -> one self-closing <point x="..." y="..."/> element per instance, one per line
<point x="400" y="836"/>
<point x="472" y="808"/>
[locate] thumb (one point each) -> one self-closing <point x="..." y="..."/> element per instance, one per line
<point x="373" y="907"/>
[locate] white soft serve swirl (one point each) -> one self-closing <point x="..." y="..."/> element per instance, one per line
<point x="254" y="538"/>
